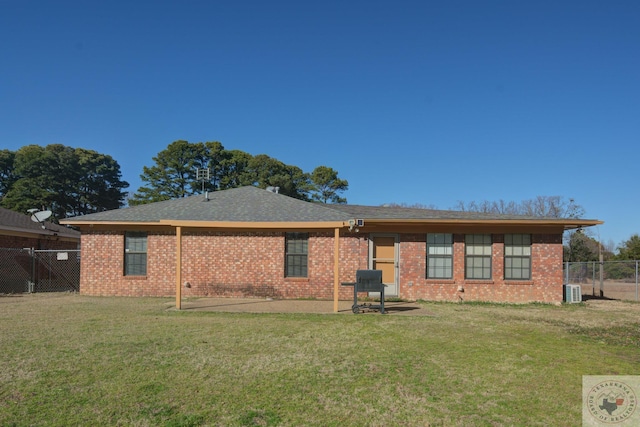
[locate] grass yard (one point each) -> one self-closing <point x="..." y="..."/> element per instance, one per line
<point x="87" y="361"/>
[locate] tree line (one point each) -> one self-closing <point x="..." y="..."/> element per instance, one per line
<point x="76" y="181"/>
<point x="68" y="181"/>
<point x="582" y="247"/>
<point x="174" y="174"/>
<point x="540" y="206"/>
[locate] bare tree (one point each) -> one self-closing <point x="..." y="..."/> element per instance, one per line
<point x="541" y="206"/>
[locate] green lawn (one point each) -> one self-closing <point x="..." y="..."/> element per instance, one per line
<point x="88" y="361"/>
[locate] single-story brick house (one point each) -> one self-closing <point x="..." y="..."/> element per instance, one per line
<point x="253" y="242"/>
<point x="18" y="231"/>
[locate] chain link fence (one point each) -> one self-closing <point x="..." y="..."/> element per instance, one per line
<point x="608" y="279"/>
<point x="29" y="270"/>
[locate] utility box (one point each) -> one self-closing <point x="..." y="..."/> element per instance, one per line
<point x="572" y="293"/>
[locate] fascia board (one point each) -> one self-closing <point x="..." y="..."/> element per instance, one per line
<point x="484" y="222"/>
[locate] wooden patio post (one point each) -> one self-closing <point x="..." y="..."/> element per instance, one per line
<point x="336" y="268"/>
<point x="178" y="267"/>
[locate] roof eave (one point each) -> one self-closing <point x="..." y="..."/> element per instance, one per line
<point x="255" y="225"/>
<point x="217" y="224"/>
<point x="78" y="223"/>
<point x="565" y="223"/>
<point x="25" y="232"/>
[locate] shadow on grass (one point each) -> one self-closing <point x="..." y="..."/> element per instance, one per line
<point x="229" y="304"/>
<point x="593" y="297"/>
<point x="292" y="306"/>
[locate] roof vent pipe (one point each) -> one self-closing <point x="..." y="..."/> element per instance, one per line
<point x="274" y="189"/>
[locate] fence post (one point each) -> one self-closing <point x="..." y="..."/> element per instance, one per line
<point x="593" y="278"/>
<point x="601" y="259"/>
<point x="637" y="280"/>
<point x="32" y="282"/>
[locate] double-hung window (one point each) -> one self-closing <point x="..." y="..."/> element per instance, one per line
<point x="296" y="254"/>
<point x="477" y="256"/>
<point x="517" y="256"/>
<point x="439" y="256"/>
<point x="135" y="253"/>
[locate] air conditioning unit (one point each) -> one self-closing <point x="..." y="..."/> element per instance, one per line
<point x="572" y="293"/>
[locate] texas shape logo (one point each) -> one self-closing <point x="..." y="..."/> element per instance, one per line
<point x="611" y="401"/>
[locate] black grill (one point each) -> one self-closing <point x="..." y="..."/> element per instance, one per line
<point x="367" y="281"/>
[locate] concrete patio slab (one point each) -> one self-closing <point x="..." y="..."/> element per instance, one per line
<point x="256" y="305"/>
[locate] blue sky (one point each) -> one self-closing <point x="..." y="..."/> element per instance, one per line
<point x="410" y="101"/>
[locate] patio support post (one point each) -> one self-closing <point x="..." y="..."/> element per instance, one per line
<point x="178" y="268"/>
<point x="336" y="268"/>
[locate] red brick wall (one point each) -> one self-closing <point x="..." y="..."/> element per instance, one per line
<point x="545" y="284"/>
<point x="102" y="266"/>
<point x="220" y="264"/>
<point x="251" y="264"/>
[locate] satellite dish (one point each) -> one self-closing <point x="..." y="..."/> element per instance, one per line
<point x="40" y="216"/>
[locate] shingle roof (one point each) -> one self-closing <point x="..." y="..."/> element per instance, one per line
<point x="254" y="205"/>
<point x="12" y="221"/>
<point x="244" y="204"/>
<point x="398" y="212"/>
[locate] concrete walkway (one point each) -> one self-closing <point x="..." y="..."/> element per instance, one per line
<point x="255" y="305"/>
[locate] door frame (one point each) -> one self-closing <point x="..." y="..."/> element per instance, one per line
<point x="390" y="291"/>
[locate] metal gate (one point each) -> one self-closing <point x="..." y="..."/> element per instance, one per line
<point x="29" y="270"/>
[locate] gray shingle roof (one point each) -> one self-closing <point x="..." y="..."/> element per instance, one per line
<point x="251" y="204"/>
<point x="12" y="221"/>
<point x="398" y="212"/>
<point x="244" y="204"/>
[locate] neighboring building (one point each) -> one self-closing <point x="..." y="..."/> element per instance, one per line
<point x="249" y="242"/>
<point x="28" y="258"/>
<point x="18" y="231"/>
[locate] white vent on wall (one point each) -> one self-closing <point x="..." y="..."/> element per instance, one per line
<point x="572" y="293"/>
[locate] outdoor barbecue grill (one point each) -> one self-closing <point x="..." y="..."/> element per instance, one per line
<point x="367" y="281"/>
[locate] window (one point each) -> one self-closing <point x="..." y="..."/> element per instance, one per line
<point x="477" y="256"/>
<point x="517" y="256"/>
<point x="135" y="253"/>
<point x="439" y="256"/>
<point x="296" y="250"/>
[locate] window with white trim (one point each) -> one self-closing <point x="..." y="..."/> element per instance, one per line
<point x="439" y="256"/>
<point x="477" y="256"/>
<point x="517" y="256"/>
<point x="135" y="253"/>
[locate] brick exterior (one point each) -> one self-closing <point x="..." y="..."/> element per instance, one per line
<point x="546" y="273"/>
<point x="102" y="266"/>
<point x="251" y="264"/>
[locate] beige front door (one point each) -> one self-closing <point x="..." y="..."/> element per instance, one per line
<point x="383" y="256"/>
